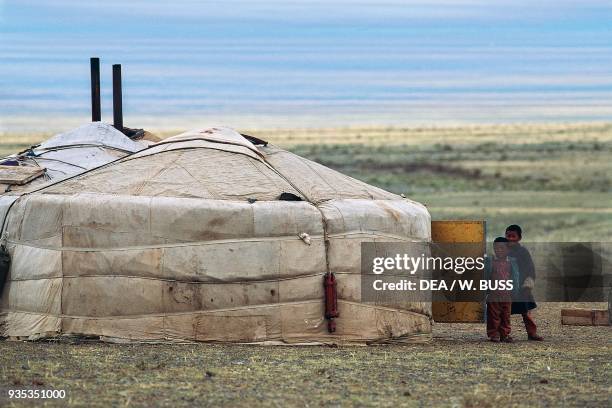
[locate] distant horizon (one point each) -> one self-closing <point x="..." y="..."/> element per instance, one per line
<point x="59" y="125"/>
<point x="309" y="64"/>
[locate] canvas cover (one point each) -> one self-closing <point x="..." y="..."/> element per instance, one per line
<point x="65" y="155"/>
<point x="189" y="240"/>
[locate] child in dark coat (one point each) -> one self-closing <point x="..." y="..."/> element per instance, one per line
<point x="502" y="274"/>
<point x="527" y="276"/>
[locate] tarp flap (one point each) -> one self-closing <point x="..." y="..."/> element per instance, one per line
<point x="95" y="133"/>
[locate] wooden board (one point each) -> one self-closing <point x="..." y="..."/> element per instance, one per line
<point x="459" y="231"/>
<point x="585" y="317"/>
<point x="19" y="175"/>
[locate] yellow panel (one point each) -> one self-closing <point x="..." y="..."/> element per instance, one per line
<point x="458" y="231"/>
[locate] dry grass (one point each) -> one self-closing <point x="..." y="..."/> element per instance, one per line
<point x="573" y="367"/>
<point x="420" y="136"/>
<point x="376" y="136"/>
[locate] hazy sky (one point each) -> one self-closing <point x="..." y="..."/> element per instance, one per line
<point x="281" y="63"/>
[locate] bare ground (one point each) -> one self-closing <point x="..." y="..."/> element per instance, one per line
<point x="573" y="367"/>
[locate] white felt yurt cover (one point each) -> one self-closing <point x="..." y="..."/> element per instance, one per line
<point x="188" y="240"/>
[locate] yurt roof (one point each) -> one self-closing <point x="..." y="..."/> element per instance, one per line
<point x="219" y="163"/>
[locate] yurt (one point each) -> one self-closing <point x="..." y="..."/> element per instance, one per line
<point x="208" y="236"/>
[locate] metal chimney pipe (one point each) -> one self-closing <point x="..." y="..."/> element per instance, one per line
<point x="96" y="112"/>
<point x="117" y="98"/>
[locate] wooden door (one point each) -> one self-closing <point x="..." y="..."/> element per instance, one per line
<point x="459" y="231"/>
